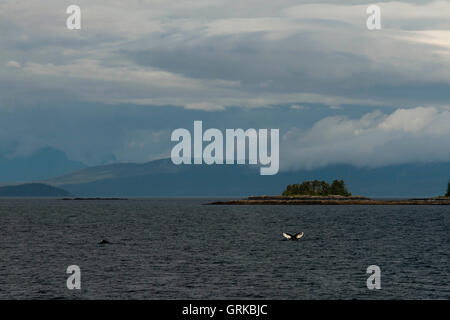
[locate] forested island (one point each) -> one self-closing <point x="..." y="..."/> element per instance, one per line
<point x="317" y="188"/>
<point x="321" y="193"/>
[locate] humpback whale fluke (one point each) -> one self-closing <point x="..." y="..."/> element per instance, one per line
<point x="104" y="242"/>
<point x="293" y="236"/>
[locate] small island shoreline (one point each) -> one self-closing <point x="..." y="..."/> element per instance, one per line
<point x="330" y="200"/>
<point x="321" y="193"/>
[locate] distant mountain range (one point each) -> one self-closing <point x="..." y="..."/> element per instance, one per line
<point x="161" y="178"/>
<point x="43" y="164"/>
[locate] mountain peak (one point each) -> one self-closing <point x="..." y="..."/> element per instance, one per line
<point x="42" y="164"/>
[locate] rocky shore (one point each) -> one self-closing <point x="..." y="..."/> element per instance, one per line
<point x="330" y="200"/>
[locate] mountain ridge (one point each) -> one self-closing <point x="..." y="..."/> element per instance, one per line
<point x="162" y="178"/>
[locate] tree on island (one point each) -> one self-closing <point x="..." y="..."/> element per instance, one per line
<point x="338" y="187"/>
<point x="317" y="188"/>
<point x="448" y="190"/>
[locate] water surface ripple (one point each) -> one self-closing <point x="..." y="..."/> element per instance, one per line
<point x="181" y="249"/>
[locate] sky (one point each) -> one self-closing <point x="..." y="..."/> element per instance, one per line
<point x="116" y="89"/>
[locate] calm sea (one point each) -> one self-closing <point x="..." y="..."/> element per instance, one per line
<point x="182" y="249"/>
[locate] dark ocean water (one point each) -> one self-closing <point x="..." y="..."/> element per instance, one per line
<point x="181" y="249"/>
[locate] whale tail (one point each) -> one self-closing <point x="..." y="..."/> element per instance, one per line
<point x="299" y="235"/>
<point x="293" y="236"/>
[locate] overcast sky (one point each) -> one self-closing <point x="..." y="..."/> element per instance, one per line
<point x="114" y="90"/>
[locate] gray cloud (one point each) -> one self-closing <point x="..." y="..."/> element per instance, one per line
<point x="247" y="61"/>
<point x="223" y="53"/>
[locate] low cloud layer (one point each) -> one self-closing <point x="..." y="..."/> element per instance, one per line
<point x="311" y="136"/>
<point x="376" y="139"/>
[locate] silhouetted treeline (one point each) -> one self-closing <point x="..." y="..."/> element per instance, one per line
<point x="317" y="188"/>
<point x="448" y="190"/>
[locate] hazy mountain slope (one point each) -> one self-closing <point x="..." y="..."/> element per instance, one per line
<point x="114" y="171"/>
<point x="162" y="178"/>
